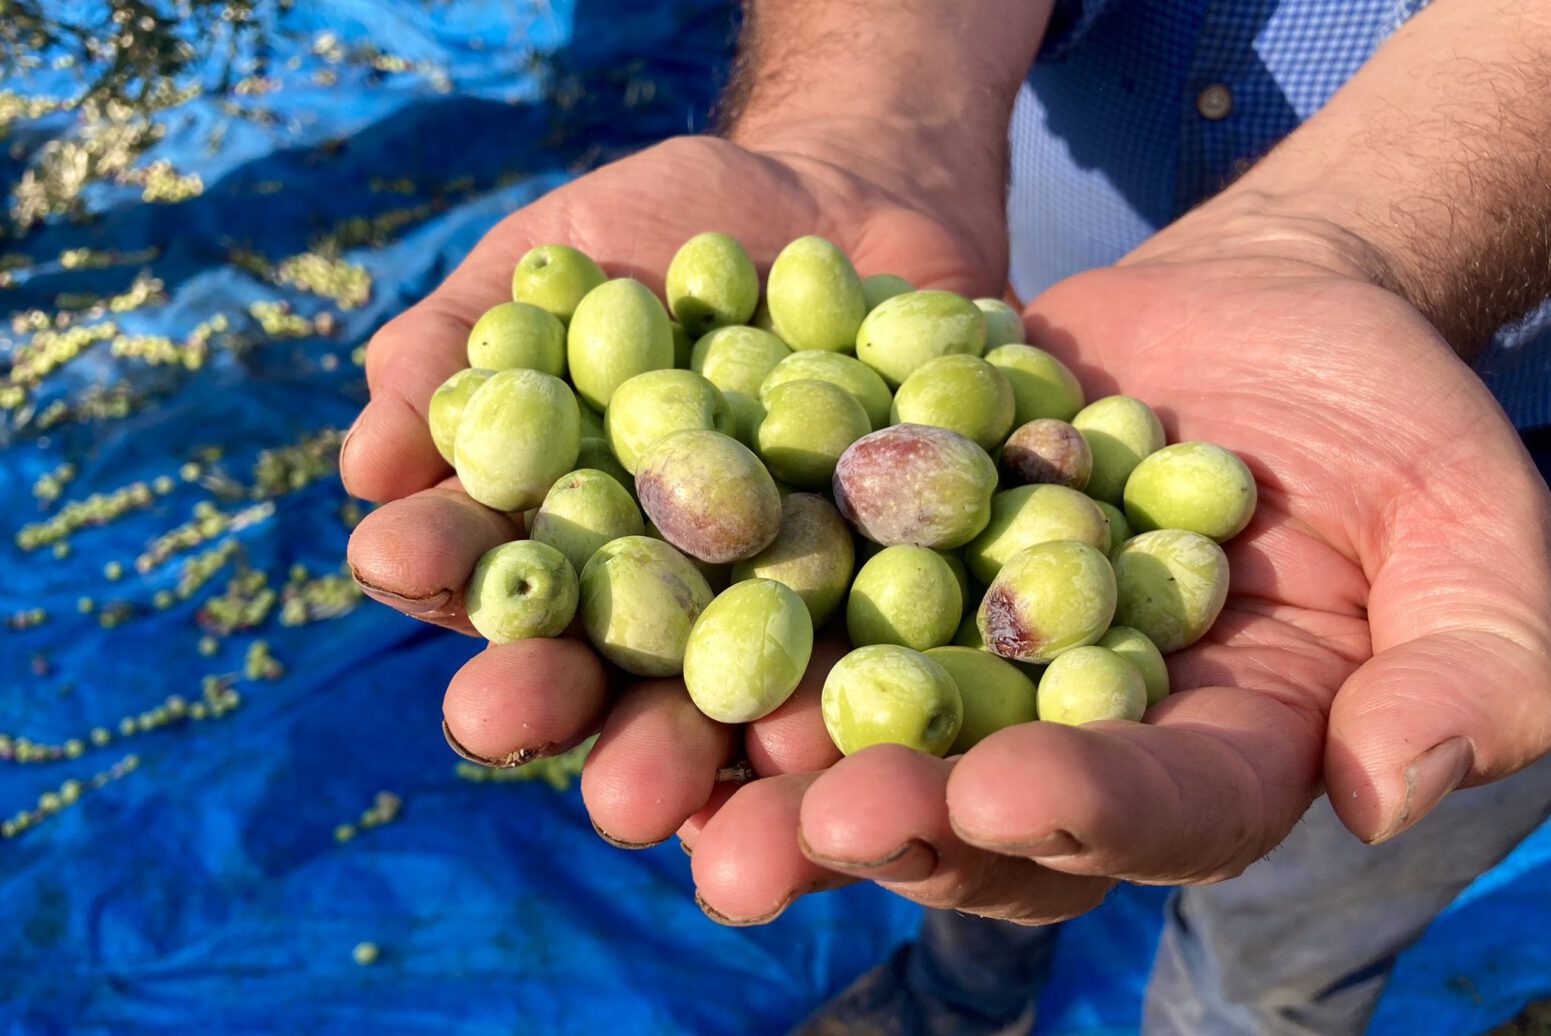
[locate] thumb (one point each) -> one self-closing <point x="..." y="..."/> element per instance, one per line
<point x="1458" y="691"/>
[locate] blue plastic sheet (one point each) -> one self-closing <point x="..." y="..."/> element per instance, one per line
<point x="206" y="888"/>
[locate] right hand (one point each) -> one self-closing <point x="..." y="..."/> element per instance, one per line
<point x="655" y="766"/>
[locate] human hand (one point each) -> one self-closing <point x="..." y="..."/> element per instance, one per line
<point x="657" y="760"/>
<point x="1387" y="636"/>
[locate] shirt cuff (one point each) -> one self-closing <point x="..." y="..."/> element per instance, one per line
<point x="1068" y="25"/>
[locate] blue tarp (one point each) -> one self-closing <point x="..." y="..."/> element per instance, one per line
<point x="206" y="888"/>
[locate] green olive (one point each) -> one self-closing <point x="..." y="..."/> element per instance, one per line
<point x="555" y="278"/>
<point x="747" y="651"/>
<point x="618" y="331"/>
<point x="1191" y="485"/>
<point x="815" y="297"/>
<point x="711" y="283"/>
<point x="515" y="334"/>
<point x="520" y="591"/>
<point x="887" y="694"/>
<point x="519" y="432"/>
<point x="446" y="407"/>
<point x="908" y="330"/>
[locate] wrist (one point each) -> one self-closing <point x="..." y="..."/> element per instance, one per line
<point x="1274" y="233"/>
<point x="952" y="175"/>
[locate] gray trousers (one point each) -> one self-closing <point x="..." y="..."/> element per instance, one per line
<point x="1301" y="944"/>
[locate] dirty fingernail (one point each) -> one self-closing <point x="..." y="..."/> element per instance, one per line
<point x="506" y="762"/>
<point x="620" y="843"/>
<point x="418" y="606"/>
<point x="915" y="860"/>
<point x="738" y="922"/>
<point x="1433" y="774"/>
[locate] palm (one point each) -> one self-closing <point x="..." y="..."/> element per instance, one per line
<point x="1366" y="584"/>
<point x="416" y="552"/>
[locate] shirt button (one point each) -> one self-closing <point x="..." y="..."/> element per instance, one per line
<point x="1214" y="102"/>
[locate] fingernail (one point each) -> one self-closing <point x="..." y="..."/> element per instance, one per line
<point x="620" y="843"/>
<point x="427" y="605"/>
<point x="1434" y="774"/>
<point x="738" y="922"/>
<point x="682" y="845"/>
<point x="1057" y="843"/>
<point x="344" y="444"/>
<point x="507" y="762"/>
<point x="914" y="861"/>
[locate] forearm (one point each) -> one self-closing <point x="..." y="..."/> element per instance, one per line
<point x="923" y="86"/>
<point x="1438" y="155"/>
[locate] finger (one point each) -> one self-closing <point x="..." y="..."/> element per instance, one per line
<point x="792" y="739"/>
<point x="882" y="814"/>
<point x="389" y="453"/>
<point x="689" y="831"/>
<point x="416" y="554"/>
<point x="654" y="765"/>
<point x="748" y="868"/>
<point x="1458" y="691"/>
<point x="512" y="703"/>
<point x="1212" y="783"/>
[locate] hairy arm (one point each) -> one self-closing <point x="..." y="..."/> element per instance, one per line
<point x="916" y="93"/>
<point x="1434" y="165"/>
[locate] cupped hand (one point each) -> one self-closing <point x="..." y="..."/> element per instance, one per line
<point x="657" y="761"/>
<point x="1387" y="637"/>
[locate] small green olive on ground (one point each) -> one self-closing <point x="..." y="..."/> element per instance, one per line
<point x="1191" y="485"/>
<point x="710" y="496"/>
<point x="618" y="331"/>
<point x="806" y="427"/>
<point x="915" y="484"/>
<point x="639" y="600"/>
<point x="1026" y="515"/>
<point x="1088" y="684"/>
<point x="1041" y="384"/>
<point x="909" y="330"/>
<point x="711" y="283"/>
<point x="514" y="335"/>
<point x="1172" y="585"/>
<point x="521" y="590"/>
<point x="887" y="694"/>
<point x="815" y="297"/>
<point x="446" y="407"/>
<point x="962" y="393"/>
<point x="1120" y="431"/>
<point x="555" y="278"/>
<point x="518" y="432"/>
<point x="1133" y="646"/>
<point x="995" y="694"/>
<point x="1047" y="599"/>
<point x="747" y="651"/>
<point x="813" y="554"/>
<point x="582" y="511"/>
<point x="904" y="595"/>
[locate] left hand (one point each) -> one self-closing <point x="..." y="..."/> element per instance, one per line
<point x="1387" y="636"/>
